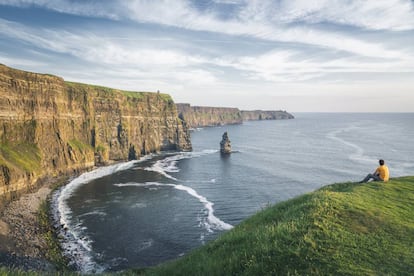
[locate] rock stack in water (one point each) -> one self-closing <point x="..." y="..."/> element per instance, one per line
<point x="225" y="146"/>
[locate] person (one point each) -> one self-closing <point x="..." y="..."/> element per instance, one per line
<point x="381" y="173"/>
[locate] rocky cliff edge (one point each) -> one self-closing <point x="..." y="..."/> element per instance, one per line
<point x="50" y="127"/>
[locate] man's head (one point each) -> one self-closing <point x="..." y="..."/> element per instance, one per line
<point x="381" y="162"/>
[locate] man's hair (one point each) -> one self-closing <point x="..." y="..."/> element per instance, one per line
<point x="381" y="162"/>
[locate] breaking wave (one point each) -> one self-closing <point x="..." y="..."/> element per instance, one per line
<point x="211" y="222"/>
<point x="76" y="244"/>
<point x="169" y="164"/>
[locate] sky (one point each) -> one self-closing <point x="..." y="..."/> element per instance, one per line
<point x="294" y="55"/>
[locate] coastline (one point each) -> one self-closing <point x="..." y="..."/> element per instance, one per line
<point x="22" y="244"/>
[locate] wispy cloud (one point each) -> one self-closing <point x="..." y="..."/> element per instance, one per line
<point x="188" y="45"/>
<point x="91" y="47"/>
<point x="265" y="19"/>
<point x="292" y="66"/>
<point x="83" y="8"/>
<point x="367" y="14"/>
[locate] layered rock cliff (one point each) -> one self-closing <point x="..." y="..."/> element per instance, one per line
<point x="202" y="116"/>
<point x="50" y="127"/>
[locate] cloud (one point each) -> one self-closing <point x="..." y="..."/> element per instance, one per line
<point x="284" y="20"/>
<point x="302" y="49"/>
<point x="371" y="15"/>
<point x="294" y="66"/>
<point x="83" y="8"/>
<point x="94" y="48"/>
<point x="128" y="63"/>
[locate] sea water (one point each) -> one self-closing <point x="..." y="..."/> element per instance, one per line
<point x="142" y="213"/>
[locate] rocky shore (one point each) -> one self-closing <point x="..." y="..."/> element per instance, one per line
<point x="22" y="244"/>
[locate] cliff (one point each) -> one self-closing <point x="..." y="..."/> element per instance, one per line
<point x="50" y="127"/>
<point x="265" y="115"/>
<point x="202" y="116"/>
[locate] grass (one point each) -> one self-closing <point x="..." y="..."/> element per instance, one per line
<point x="141" y="95"/>
<point x="22" y="155"/>
<point x="111" y="91"/>
<point x="100" y="148"/>
<point x="84" y="86"/>
<point x="80" y="146"/>
<point x="342" y="229"/>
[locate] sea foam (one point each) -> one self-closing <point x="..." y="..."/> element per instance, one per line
<point x="211" y="223"/>
<point x="169" y="164"/>
<point x="76" y="244"/>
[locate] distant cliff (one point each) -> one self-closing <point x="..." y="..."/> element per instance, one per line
<point x="49" y="127"/>
<point x="265" y="115"/>
<point x="202" y="116"/>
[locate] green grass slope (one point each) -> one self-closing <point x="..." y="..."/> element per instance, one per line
<point x="341" y="229"/>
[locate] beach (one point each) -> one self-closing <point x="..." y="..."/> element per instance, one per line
<point x="22" y="244"/>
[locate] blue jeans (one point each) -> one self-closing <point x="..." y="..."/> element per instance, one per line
<point x="374" y="177"/>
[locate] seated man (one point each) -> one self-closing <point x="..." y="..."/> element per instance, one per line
<point x="381" y="173"/>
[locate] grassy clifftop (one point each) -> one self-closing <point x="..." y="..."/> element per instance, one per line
<point x="342" y="229"/>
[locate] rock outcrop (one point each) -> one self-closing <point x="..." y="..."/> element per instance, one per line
<point x="203" y="116"/>
<point x="225" y="144"/>
<point x="51" y="127"/>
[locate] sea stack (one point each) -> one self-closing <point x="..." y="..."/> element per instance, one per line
<point x="225" y="146"/>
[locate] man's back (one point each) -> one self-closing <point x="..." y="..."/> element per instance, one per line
<point x="383" y="172"/>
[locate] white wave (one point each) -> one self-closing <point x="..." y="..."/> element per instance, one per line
<point x="212" y="222"/>
<point x="213" y="180"/>
<point x="139" y="205"/>
<point x="169" y="164"/>
<point x="145" y="245"/>
<point x="164" y="166"/>
<point x="93" y="213"/>
<point x="196" y="129"/>
<point x="68" y="190"/>
<point x="76" y="244"/>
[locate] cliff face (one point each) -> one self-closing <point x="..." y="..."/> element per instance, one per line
<point x="265" y="115"/>
<point x="49" y="127"/>
<point x="202" y="116"/>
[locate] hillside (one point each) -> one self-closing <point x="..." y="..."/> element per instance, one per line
<point x="342" y="229"/>
<point x="50" y="127"/>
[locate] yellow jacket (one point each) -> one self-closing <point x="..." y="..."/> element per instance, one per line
<point x="383" y="173"/>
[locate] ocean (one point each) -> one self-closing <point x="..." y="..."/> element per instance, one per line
<point x="145" y="212"/>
